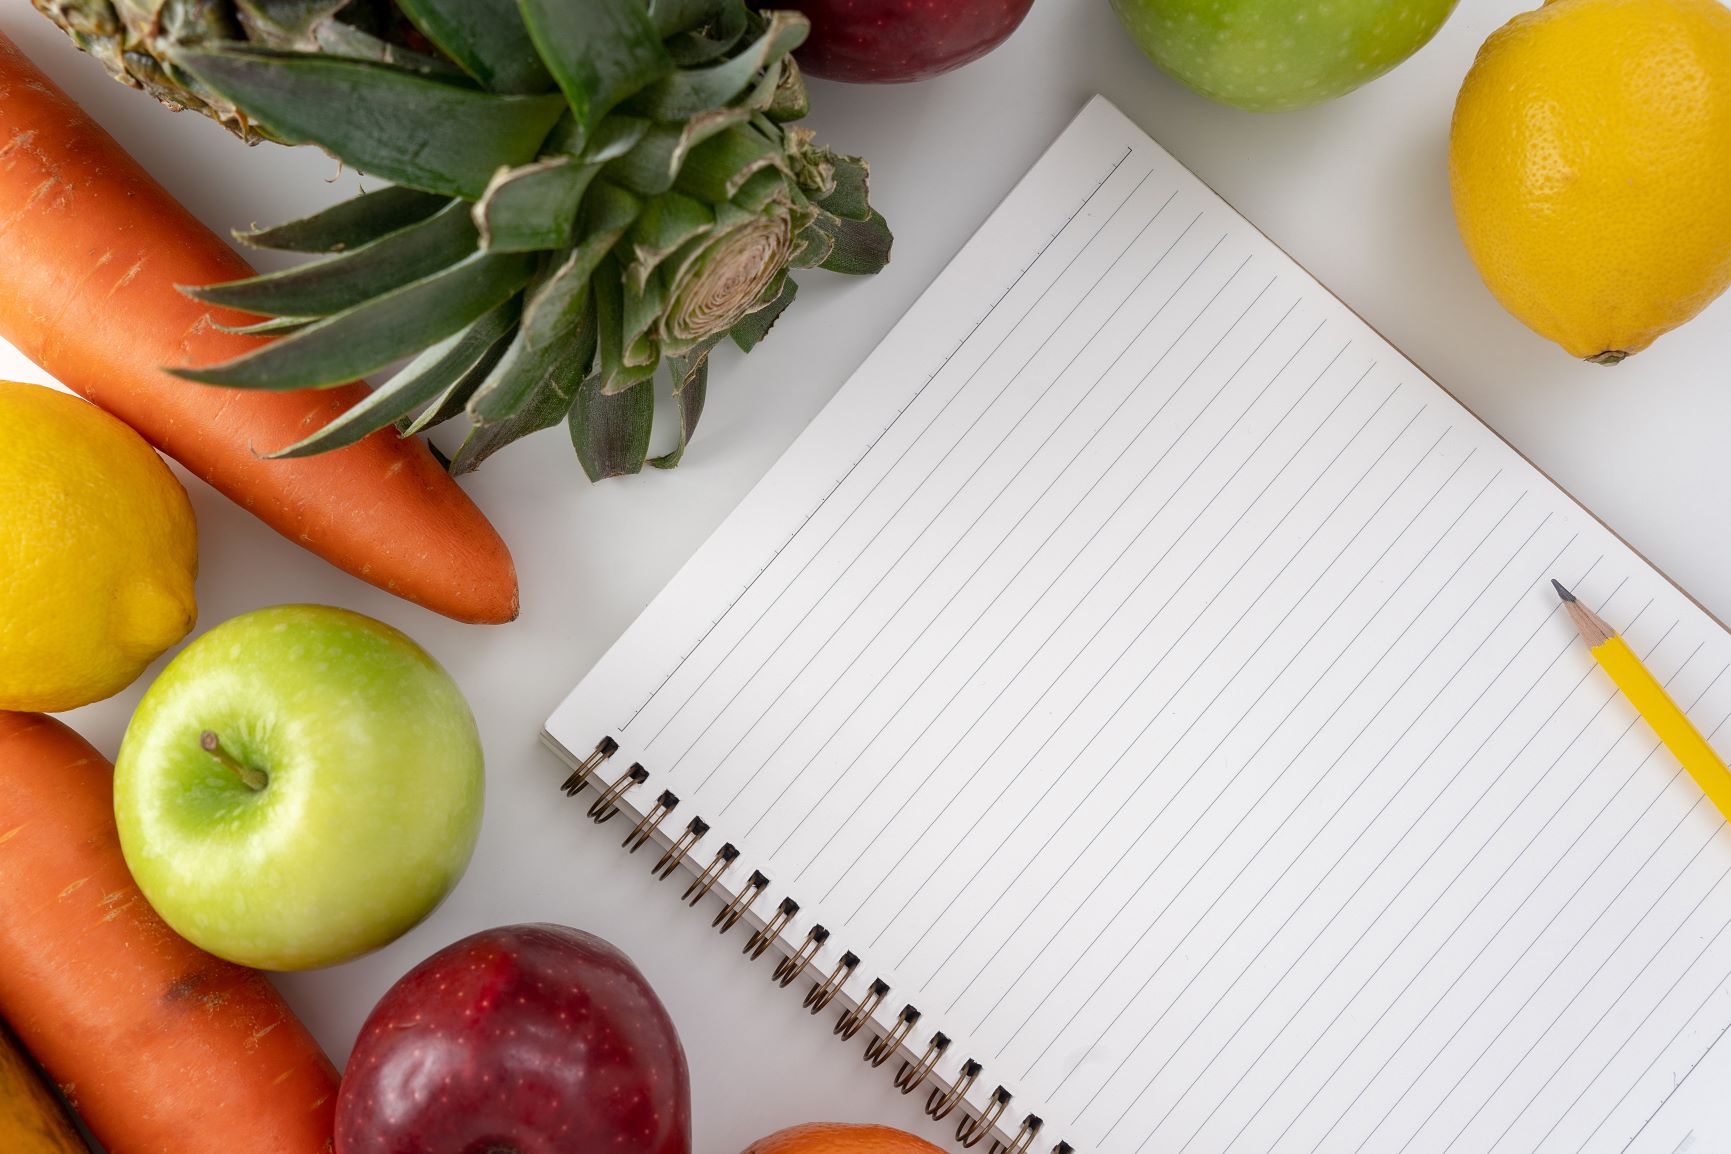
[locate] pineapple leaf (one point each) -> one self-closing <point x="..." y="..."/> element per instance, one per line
<point x="690" y="387"/>
<point x="666" y="223"/>
<point x="534" y="207"/>
<point x="641" y="308"/>
<point x="614" y="137"/>
<point x="276" y="326"/>
<point x="849" y="200"/>
<point x="383" y="120"/>
<point x="651" y="166"/>
<point x="616" y="373"/>
<point x="486" y="37"/>
<point x="713" y="40"/>
<point x="338" y="283"/>
<point x="689" y="91"/>
<point x="352" y="223"/>
<point x="437" y="368"/>
<point x="718" y="167"/>
<point x="545" y="406"/>
<point x="671" y="16"/>
<point x="521" y="373"/>
<point x="857" y="247"/>
<point x="363" y="340"/>
<point x="791" y="100"/>
<point x="610" y="431"/>
<point x="750" y="330"/>
<point x="456" y="396"/>
<point x="600" y="51"/>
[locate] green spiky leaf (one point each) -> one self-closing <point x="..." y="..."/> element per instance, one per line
<point x="667" y="222"/>
<point x="339" y="349"/>
<point x="852" y="179"/>
<point x="719" y="165"/>
<point x="857" y="247"/>
<point x="350" y="224"/>
<point x="543" y="401"/>
<point x="664" y="151"/>
<point x="600" y="51"/>
<point x="455" y="398"/>
<point x="385" y="121"/>
<point x="750" y="331"/>
<point x="533" y="207"/>
<point x="610" y="431"/>
<point x="687" y="92"/>
<point x="435" y="370"/>
<point x="691" y="387"/>
<point x="486" y="37"/>
<point x="674" y="16"/>
<point x="343" y="281"/>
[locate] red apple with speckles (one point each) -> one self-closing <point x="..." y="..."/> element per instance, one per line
<point x="534" y="1039"/>
<point x="891" y="41"/>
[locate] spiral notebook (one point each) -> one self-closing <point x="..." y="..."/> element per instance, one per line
<point x="1135" y="714"/>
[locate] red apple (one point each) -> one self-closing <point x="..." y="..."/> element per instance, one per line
<point x="890" y="41"/>
<point x="534" y="1039"/>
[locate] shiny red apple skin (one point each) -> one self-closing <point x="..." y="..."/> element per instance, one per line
<point x="528" y="1039"/>
<point x="893" y="41"/>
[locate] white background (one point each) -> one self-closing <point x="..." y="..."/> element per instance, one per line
<point x="1356" y="190"/>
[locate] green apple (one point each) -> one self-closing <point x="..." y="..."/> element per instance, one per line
<point x="301" y="785"/>
<point x="1270" y="55"/>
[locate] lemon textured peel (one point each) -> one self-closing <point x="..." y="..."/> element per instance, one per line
<point x="100" y="551"/>
<point x="1590" y="166"/>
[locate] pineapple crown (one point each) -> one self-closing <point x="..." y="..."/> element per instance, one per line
<point x="587" y="194"/>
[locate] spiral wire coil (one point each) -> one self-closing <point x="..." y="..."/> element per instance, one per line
<point x="792" y="963"/>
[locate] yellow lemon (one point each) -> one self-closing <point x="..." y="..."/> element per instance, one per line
<point x="1590" y="162"/>
<point x="98" y="548"/>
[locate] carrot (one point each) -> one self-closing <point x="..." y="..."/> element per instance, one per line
<point x="91" y="249"/>
<point x="32" y="1120"/>
<point x="161" y="1048"/>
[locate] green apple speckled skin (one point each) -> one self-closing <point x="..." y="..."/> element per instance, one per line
<point x="371" y="801"/>
<point x="1275" y="55"/>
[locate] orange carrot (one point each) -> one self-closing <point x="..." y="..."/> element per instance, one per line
<point x="32" y="1120"/>
<point x="91" y="249"/>
<point x="161" y="1048"/>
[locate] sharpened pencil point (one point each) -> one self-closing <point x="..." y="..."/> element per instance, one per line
<point x="1561" y="592"/>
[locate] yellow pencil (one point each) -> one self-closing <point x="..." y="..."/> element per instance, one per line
<point x="1651" y="701"/>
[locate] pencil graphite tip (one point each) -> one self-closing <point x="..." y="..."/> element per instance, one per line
<point x="1561" y="592"/>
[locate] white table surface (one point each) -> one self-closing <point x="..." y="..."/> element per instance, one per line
<point x="1356" y="190"/>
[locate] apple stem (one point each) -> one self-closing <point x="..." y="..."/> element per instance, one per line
<point x="254" y="779"/>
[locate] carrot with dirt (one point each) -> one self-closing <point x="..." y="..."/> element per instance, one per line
<point x="91" y="249"/>
<point x="32" y="1119"/>
<point x="161" y="1048"/>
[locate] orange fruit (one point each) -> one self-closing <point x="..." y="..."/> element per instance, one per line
<point x="841" y="1138"/>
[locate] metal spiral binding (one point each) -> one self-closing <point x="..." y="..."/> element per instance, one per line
<point x="604" y="749"/>
<point x="607" y="805"/>
<point x="735" y="909"/>
<point x="1025" y="1138"/>
<point x="879" y="1049"/>
<point x="650" y="822"/>
<point x="940" y="1104"/>
<point x="909" y="1078"/>
<point x="851" y="1020"/>
<point x="705" y="881"/>
<point x="969" y="1131"/>
<point x="790" y="966"/>
<point x="675" y="853"/>
<point x="762" y="939"/>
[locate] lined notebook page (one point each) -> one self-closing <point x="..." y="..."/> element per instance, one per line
<point x="1153" y="678"/>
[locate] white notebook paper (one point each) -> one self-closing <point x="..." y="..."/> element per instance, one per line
<point x="1153" y="680"/>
